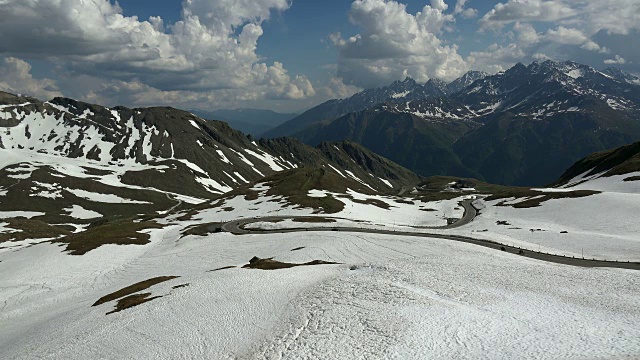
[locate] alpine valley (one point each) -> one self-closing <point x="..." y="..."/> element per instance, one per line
<point x="491" y="217"/>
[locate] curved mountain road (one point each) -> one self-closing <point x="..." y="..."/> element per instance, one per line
<point x="237" y="227"/>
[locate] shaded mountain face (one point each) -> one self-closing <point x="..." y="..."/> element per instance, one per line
<point x="399" y="91"/>
<point x="622" y="76"/>
<point x="465" y="80"/>
<point x="62" y="155"/>
<point x="400" y="136"/>
<point x="624" y="160"/>
<point x="248" y="121"/>
<point x="539" y="119"/>
<point x="523" y="126"/>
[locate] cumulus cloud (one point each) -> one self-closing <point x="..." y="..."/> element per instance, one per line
<point x="496" y="58"/>
<point x="394" y="44"/>
<point x="568" y="29"/>
<point x="570" y="36"/>
<point x="466" y="13"/>
<point x="527" y="10"/>
<point x="210" y="49"/>
<point x="618" y="60"/>
<point x="15" y="77"/>
<point x="615" y="16"/>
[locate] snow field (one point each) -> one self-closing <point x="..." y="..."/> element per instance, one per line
<point x="399" y="215"/>
<point x="412" y="298"/>
<point x="405" y="298"/>
<point x="600" y="226"/>
<point x="78" y="212"/>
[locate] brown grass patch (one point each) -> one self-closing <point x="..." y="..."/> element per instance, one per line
<point x="375" y="202"/>
<point x="534" y="198"/>
<point x="402" y="201"/>
<point x="437" y="196"/>
<point x="223" y="268"/>
<point x="117" y="232"/>
<point x="96" y="172"/>
<point x="131" y="301"/>
<point x="270" y="264"/>
<point x="142" y="285"/>
<point x="31" y="229"/>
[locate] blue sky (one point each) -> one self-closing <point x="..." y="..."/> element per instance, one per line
<point x="289" y="55"/>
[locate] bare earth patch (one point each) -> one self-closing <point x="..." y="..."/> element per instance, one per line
<point x="142" y="285"/>
<point x="270" y="264"/>
<point x="118" y="233"/>
<point x="31" y="229"/>
<point x="223" y="268"/>
<point x="533" y="198"/>
<point x="131" y="301"/>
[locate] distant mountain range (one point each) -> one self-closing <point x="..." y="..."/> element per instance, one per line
<point x="249" y="121"/>
<point x="523" y="126"/>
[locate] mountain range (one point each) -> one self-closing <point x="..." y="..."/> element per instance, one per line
<point x="523" y="126"/>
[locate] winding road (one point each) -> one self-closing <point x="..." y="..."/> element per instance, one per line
<point x="238" y="227"/>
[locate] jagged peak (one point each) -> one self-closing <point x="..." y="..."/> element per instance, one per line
<point x="436" y="81"/>
<point x="517" y="68"/>
<point x="407" y="81"/>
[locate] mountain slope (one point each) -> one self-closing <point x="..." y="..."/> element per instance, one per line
<point x="420" y="145"/>
<point x="620" y="161"/>
<point x="399" y="91"/>
<point x="465" y="80"/>
<point x="72" y="163"/>
<point x="539" y="119"/>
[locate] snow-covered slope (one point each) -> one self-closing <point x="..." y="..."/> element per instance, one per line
<point x="188" y="289"/>
<point x="601" y="225"/>
<point x="388" y="296"/>
<point x="118" y="162"/>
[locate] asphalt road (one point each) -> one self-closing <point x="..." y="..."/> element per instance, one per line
<point x="237" y="227"/>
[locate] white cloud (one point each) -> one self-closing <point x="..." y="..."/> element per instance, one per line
<point x="591" y="16"/>
<point x="496" y="58"/>
<point x="439" y="5"/>
<point x="618" y="60"/>
<point x="337" y="89"/>
<point x="466" y="13"/>
<point x="15" y="77"/>
<point x="394" y="44"/>
<point x="571" y="36"/>
<point x="527" y="10"/>
<point x="211" y="49"/>
<point x="569" y="33"/>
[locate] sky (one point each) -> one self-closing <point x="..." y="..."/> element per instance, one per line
<point x="290" y="55"/>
